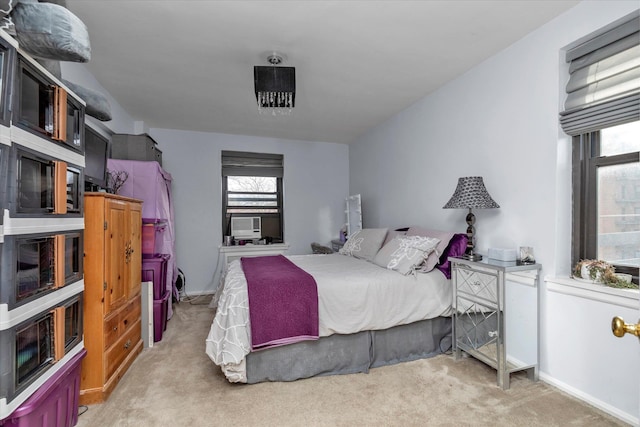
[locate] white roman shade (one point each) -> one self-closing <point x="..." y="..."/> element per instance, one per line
<point x="240" y="163"/>
<point x="604" y="83"/>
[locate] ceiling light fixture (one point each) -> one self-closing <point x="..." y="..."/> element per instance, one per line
<point x="275" y="59"/>
<point x="275" y="86"/>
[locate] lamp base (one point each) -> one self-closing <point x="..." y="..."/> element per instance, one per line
<point x="472" y="257"/>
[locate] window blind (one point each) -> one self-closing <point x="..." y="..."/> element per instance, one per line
<point x="240" y="163"/>
<point x="604" y="80"/>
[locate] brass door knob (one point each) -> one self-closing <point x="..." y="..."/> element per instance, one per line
<point x="619" y="328"/>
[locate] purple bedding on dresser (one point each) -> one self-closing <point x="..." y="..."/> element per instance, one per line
<point x="283" y="302"/>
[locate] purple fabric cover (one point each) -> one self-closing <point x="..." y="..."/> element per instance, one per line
<point x="283" y="302"/>
<point x="150" y="183"/>
<point x="457" y="246"/>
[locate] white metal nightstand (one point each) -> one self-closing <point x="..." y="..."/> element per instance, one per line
<point x="496" y="315"/>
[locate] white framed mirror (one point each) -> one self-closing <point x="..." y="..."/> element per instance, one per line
<point x="354" y="214"/>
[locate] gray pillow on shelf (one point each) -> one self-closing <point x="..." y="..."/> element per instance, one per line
<point x="97" y="104"/>
<point x="47" y="30"/>
<point x="51" y="66"/>
<point x="62" y="3"/>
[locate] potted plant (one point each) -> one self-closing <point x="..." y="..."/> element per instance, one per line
<point x="599" y="271"/>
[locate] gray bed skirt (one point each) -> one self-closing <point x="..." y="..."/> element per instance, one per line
<point x="347" y="354"/>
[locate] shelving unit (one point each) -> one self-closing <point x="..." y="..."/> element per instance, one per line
<point x="41" y="237"/>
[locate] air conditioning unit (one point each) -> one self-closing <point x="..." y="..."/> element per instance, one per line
<point x="246" y="227"/>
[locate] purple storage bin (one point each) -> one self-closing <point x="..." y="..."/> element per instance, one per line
<point x="53" y="404"/>
<point x="154" y="269"/>
<point x="152" y="236"/>
<point x="160" y="309"/>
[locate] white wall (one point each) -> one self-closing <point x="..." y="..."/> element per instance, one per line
<point x="121" y="121"/>
<point x="500" y="121"/>
<point x="316" y="183"/>
<point x="316" y="177"/>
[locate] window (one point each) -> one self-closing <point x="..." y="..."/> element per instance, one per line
<point x="602" y="114"/>
<point x="252" y="187"/>
<point x="252" y="195"/>
<point x="607" y="197"/>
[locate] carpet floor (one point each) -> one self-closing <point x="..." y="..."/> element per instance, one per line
<point x="174" y="383"/>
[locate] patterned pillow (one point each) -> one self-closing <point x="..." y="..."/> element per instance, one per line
<point x="364" y="244"/>
<point x="405" y="254"/>
<point x="393" y="233"/>
<point x="443" y="236"/>
<point x="5" y="20"/>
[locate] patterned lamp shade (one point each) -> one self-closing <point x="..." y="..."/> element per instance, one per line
<point x="471" y="194"/>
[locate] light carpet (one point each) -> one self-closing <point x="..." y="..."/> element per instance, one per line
<point x="174" y="383"/>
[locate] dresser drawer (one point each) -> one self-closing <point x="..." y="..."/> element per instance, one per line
<point x="111" y="329"/>
<point x="121" y="349"/>
<point x="129" y="315"/>
<point x="120" y="322"/>
<point x="477" y="286"/>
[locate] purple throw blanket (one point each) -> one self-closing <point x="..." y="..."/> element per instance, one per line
<point x="283" y="302"/>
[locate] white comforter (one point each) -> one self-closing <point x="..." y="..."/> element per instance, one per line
<point x="353" y="296"/>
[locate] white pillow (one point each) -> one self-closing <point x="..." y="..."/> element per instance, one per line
<point x="364" y="244"/>
<point x="405" y="254"/>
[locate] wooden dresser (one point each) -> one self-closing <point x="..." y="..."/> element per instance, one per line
<point x="112" y="276"/>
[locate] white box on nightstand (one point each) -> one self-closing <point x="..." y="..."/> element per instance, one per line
<point x="502" y="254"/>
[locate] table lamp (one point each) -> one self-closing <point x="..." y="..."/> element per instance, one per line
<point x="471" y="194"/>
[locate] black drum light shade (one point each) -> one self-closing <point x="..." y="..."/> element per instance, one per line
<point x="275" y="87"/>
<point x="471" y="194"/>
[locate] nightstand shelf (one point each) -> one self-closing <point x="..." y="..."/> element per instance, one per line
<point x="496" y="315"/>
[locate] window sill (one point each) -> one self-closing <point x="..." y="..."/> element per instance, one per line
<point x="593" y="291"/>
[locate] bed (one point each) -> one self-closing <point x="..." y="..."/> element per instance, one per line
<point x="373" y="310"/>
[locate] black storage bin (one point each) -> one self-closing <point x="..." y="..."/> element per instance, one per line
<point x="135" y="147"/>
